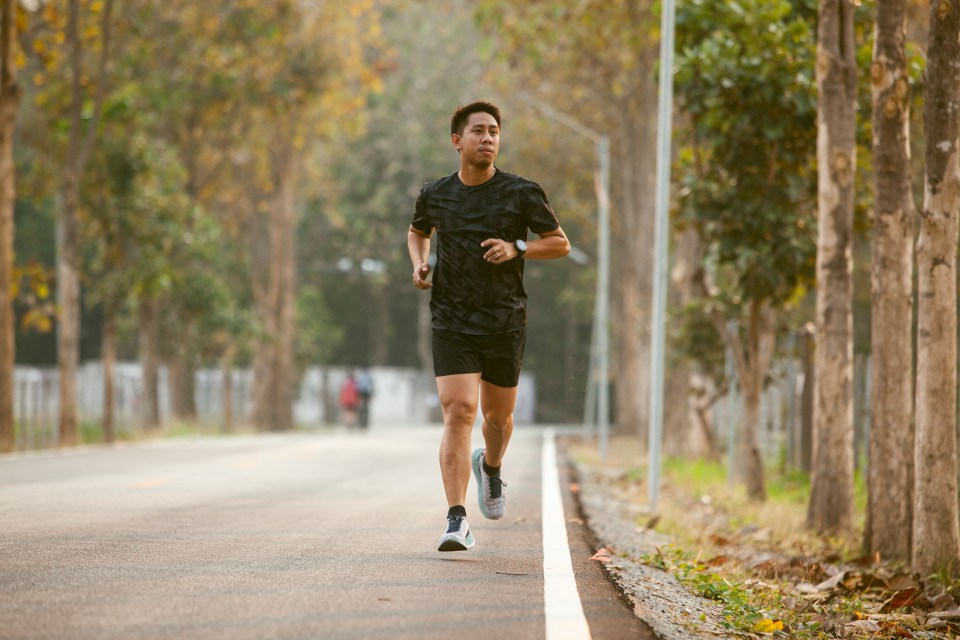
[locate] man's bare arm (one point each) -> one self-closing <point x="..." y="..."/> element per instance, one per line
<point x="552" y="244"/>
<point x="418" y="244"/>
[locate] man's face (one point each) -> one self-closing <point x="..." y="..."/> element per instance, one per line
<point x="480" y="142"/>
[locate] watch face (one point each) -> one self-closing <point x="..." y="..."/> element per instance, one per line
<point x="521" y="246"/>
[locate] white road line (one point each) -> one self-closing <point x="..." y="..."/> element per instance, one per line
<point x="561" y="601"/>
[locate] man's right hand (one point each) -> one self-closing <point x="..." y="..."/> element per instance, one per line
<point x="420" y="275"/>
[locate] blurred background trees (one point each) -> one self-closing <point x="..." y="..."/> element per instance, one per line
<point x="229" y="183"/>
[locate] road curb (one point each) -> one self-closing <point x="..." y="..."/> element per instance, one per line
<point x="657" y="597"/>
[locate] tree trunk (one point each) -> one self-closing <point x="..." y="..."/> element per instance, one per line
<point x="633" y="288"/>
<point x="149" y="363"/>
<point x="182" y="373"/>
<point x="702" y="408"/>
<point x="681" y="415"/>
<point x="274" y="369"/>
<point x="68" y="298"/>
<point x="109" y="371"/>
<point x="750" y="454"/>
<point x="380" y="325"/>
<point x="890" y="476"/>
<point x="762" y="336"/>
<point x="831" y="491"/>
<point x="181" y="376"/>
<point x="630" y="370"/>
<point x="680" y="435"/>
<point x="752" y="364"/>
<point x="9" y="105"/>
<point x="226" y="386"/>
<point x="68" y="259"/>
<point x="935" y="538"/>
<point x="284" y="241"/>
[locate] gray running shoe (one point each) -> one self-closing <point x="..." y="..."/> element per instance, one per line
<point x="493" y="499"/>
<point x="457" y="536"/>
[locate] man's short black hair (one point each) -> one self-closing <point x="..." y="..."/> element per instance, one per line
<point x="462" y="114"/>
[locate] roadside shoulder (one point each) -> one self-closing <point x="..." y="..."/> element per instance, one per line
<point x="657" y="597"/>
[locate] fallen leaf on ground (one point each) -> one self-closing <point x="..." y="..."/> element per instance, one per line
<point x="768" y="626"/>
<point x="574" y="487"/>
<point x="602" y="555"/>
<point x="806" y="570"/>
<point x="896" y="631"/>
<point x="861" y="627"/>
<point x="832" y="583"/>
<point x="900" y="581"/>
<point x="899" y="600"/>
<point x="863" y="580"/>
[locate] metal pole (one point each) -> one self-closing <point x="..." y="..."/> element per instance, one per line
<point x="664" y="130"/>
<point x="603" y="295"/>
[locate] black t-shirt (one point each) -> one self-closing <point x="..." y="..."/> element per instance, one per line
<point x="469" y="294"/>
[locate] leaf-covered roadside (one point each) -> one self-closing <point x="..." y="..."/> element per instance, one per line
<point x="779" y="596"/>
<point x="767" y="576"/>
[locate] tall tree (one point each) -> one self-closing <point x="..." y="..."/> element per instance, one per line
<point x="296" y="100"/>
<point x="935" y="524"/>
<point x="195" y="109"/>
<point x="744" y="80"/>
<point x="831" y="495"/>
<point x="890" y="485"/>
<point x="81" y="139"/>
<point x="597" y="60"/>
<point x="9" y="105"/>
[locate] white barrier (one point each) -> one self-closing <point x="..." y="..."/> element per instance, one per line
<point x="402" y="396"/>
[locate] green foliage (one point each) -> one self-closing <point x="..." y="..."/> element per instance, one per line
<point x="745" y="77"/>
<point x="694" y="334"/>
<point x="697" y="474"/>
<point x="319" y="332"/>
<point x="744" y="608"/>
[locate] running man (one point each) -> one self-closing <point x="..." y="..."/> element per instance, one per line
<point x="478" y="304"/>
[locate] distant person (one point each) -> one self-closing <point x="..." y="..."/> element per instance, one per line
<point x="478" y="304"/>
<point x="349" y="401"/>
<point x="365" y="389"/>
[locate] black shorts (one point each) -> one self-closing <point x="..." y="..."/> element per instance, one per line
<point x="496" y="357"/>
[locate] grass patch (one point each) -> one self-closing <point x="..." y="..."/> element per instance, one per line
<point x="744" y="608"/>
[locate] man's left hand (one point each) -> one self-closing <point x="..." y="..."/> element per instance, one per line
<point x="498" y="250"/>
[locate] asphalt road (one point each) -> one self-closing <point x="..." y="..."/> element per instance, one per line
<point x="300" y="535"/>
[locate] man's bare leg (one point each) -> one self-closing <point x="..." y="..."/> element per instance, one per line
<point x="459" y="395"/>
<point x="497" y="404"/>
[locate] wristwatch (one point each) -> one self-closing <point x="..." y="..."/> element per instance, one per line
<point x="521" y="246"/>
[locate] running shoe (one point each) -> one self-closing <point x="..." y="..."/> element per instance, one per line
<point x="457" y="536"/>
<point x="493" y="499"/>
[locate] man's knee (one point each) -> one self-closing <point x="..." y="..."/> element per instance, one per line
<point x="459" y="413"/>
<point x="498" y="421"/>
